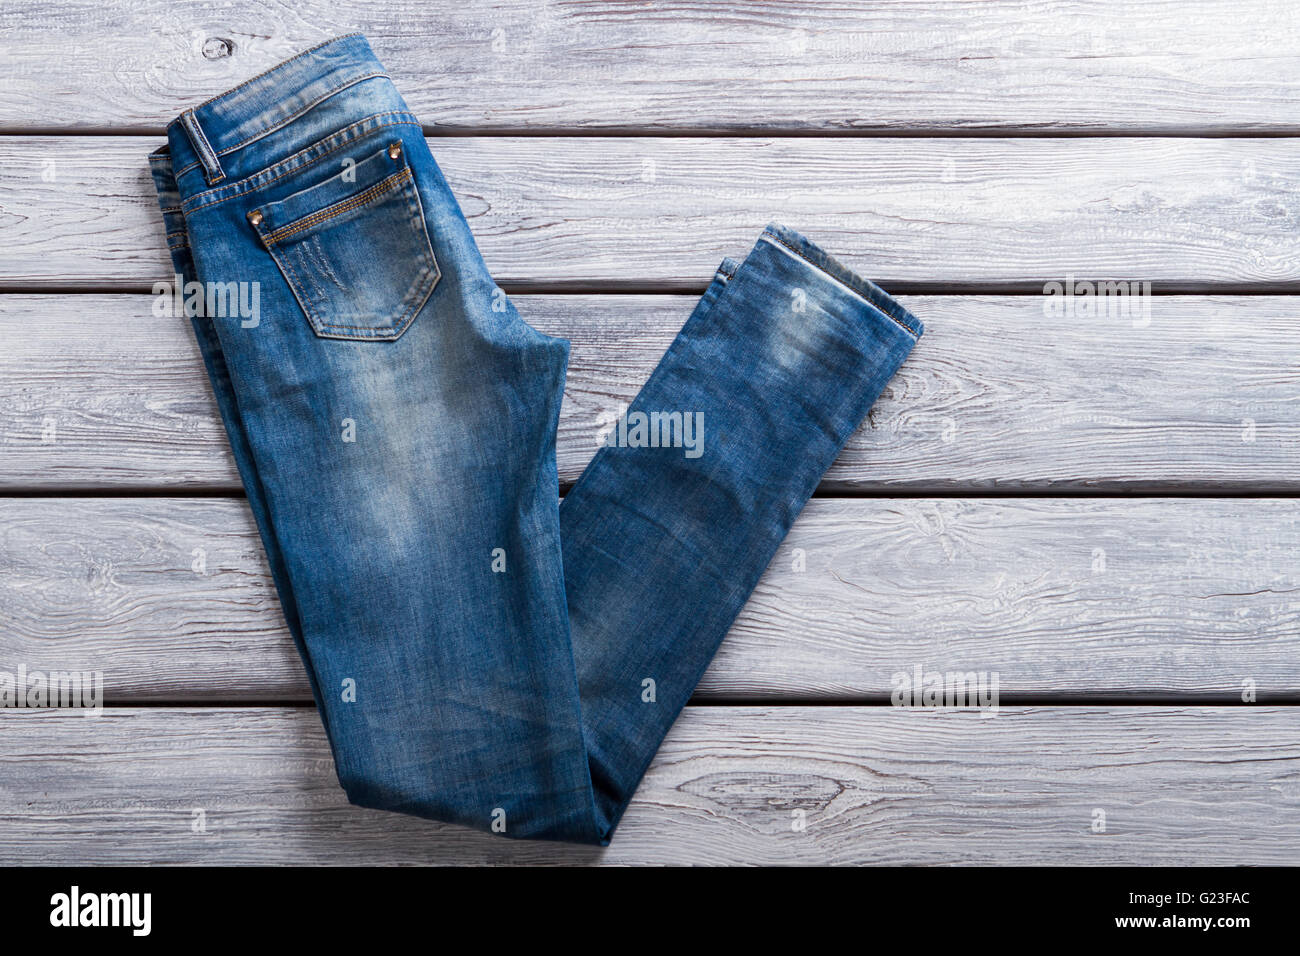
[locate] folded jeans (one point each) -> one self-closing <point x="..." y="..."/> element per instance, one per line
<point x="481" y="652"/>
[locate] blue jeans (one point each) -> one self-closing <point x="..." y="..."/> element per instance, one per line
<point x="480" y="652"/>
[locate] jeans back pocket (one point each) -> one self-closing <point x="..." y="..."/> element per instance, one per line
<point x="355" y="248"/>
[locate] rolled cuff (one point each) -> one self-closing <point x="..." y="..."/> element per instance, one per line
<point x="865" y="289"/>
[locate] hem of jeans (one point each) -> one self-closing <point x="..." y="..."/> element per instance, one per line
<point x="814" y="255"/>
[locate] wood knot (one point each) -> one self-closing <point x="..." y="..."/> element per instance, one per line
<point x="214" y="48"/>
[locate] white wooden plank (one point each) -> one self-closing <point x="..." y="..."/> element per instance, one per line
<point x="95" y="392"/>
<point x="1060" y="598"/>
<point x="876" y="785"/>
<point x="80" y="212"/>
<point x="521" y="64"/>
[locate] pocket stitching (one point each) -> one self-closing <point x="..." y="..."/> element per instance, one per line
<point x="387" y="184"/>
<point x="429" y="273"/>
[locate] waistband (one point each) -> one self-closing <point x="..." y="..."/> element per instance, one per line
<point x="266" y="103"/>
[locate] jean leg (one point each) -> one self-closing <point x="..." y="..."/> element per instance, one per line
<point x="214" y="362"/>
<point x="775" y="368"/>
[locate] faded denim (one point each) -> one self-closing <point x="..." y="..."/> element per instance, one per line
<point x="480" y="652"/>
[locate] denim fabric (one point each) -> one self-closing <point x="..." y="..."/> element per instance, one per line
<point x="480" y="652"/>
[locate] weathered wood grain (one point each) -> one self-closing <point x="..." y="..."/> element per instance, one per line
<point x="776" y="64"/>
<point x="95" y="392"/>
<point x="875" y="785"/>
<point x="658" y="213"/>
<point x="1061" y="598"/>
<point x="1065" y="600"/>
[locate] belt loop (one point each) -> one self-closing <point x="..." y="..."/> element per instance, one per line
<point x="212" y="170"/>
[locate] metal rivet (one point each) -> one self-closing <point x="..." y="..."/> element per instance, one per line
<point x="394" y="150"/>
<point x="255" y="217"/>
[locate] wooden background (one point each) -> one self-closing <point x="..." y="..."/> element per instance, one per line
<point x="1101" y="510"/>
